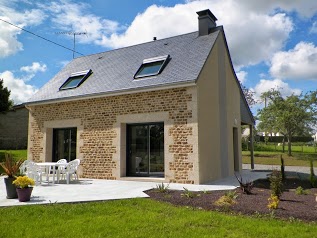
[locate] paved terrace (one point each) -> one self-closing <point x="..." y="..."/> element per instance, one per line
<point x="86" y="190"/>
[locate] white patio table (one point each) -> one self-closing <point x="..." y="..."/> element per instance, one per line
<point x="51" y="166"/>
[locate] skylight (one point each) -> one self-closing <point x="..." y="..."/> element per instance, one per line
<point x="76" y="79"/>
<point x="152" y="66"/>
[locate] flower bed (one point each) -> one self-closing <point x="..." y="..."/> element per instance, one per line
<point x="291" y="205"/>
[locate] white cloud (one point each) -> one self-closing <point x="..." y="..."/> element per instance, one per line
<point x="20" y="91"/>
<point x="257" y="37"/>
<point x="240" y="24"/>
<point x="263" y="75"/>
<point x="156" y="21"/>
<point x="34" y="68"/>
<point x="313" y="28"/>
<point x="305" y="8"/>
<point x="9" y="43"/>
<point x="266" y="85"/>
<point x="74" y="17"/>
<point x="242" y="76"/>
<point x="297" y="63"/>
<point x="241" y="20"/>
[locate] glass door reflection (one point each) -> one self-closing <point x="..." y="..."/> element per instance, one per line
<point x="64" y="144"/>
<point x="145" y="150"/>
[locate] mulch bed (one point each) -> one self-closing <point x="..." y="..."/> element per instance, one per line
<point x="291" y="206"/>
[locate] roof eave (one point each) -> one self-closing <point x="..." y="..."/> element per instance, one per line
<point x="114" y="93"/>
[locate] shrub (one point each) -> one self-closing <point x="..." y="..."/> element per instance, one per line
<point x="273" y="202"/>
<point x="276" y="184"/>
<point x="300" y="191"/>
<point x="162" y="188"/>
<point x="227" y="200"/>
<point x="246" y="186"/>
<point x="205" y="191"/>
<point x="187" y="193"/>
<point x="231" y="194"/>
<point x="10" y="166"/>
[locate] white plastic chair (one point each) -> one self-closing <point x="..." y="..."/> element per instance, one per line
<point x="34" y="171"/>
<point x="50" y="169"/>
<point x="61" y="161"/>
<point x="69" y="171"/>
<point x="23" y="166"/>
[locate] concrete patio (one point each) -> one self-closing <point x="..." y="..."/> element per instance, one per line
<point x="86" y="190"/>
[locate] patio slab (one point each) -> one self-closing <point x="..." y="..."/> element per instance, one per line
<point x="86" y="190"/>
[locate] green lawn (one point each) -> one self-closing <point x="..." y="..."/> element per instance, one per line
<point x="296" y="147"/>
<point x="273" y="158"/>
<point x="17" y="154"/>
<point x="139" y="218"/>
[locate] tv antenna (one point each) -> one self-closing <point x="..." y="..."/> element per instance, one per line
<point x="74" y="34"/>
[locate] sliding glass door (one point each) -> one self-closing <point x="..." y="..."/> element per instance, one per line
<point x="64" y="144"/>
<point x="145" y="150"/>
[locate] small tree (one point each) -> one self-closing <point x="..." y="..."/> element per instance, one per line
<point x="5" y="102"/>
<point x="276" y="184"/>
<point x="290" y="116"/>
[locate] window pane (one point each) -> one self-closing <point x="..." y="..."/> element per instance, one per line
<point x="76" y="79"/>
<point x="73" y="81"/>
<point x="150" y="69"/>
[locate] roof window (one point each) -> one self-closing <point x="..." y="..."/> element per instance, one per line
<point x="76" y="79"/>
<point x="152" y="66"/>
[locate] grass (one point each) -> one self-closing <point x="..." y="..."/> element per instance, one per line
<point x="274" y="147"/>
<point x="17" y="154"/>
<point x="139" y="218"/>
<point x="273" y="158"/>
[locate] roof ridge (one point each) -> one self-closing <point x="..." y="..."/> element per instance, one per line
<point x="143" y="43"/>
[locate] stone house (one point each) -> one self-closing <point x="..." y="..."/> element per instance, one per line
<point x="168" y="110"/>
<point x="14" y="128"/>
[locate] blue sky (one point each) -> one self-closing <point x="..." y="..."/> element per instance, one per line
<point x="273" y="43"/>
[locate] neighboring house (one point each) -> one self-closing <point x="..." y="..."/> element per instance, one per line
<point x="269" y="134"/>
<point x="169" y="109"/>
<point x="14" y="128"/>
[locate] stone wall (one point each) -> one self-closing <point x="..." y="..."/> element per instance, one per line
<point x="14" y="128"/>
<point x="99" y="146"/>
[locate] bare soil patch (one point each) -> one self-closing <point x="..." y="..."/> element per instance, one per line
<point x="291" y="206"/>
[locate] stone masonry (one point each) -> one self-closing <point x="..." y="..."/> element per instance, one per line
<point x="14" y="128"/>
<point x="98" y="117"/>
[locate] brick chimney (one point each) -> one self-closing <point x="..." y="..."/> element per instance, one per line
<point x="206" y="21"/>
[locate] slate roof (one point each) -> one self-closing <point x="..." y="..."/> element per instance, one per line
<point x="113" y="70"/>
